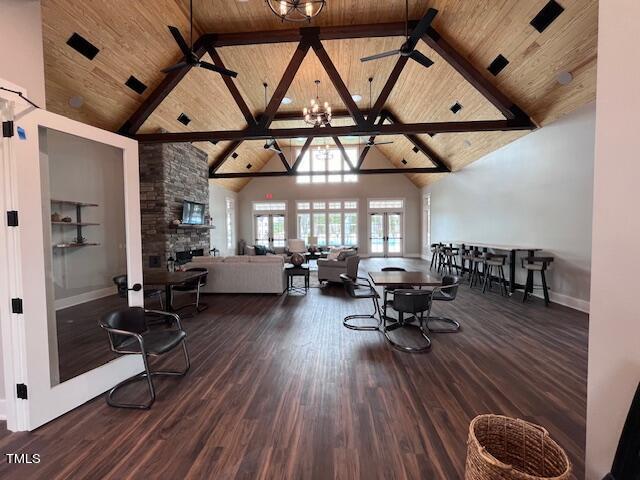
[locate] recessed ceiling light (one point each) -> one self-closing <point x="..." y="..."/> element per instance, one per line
<point x="356" y="97"/>
<point x="564" y="78"/>
<point x="76" y="101"/>
<point x="286" y="101"/>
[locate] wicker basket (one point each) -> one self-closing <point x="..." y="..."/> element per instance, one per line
<point x="503" y="448"/>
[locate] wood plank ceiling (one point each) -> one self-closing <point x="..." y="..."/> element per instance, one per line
<point x="133" y="40"/>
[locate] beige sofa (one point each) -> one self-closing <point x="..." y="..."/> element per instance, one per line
<point x="243" y="274"/>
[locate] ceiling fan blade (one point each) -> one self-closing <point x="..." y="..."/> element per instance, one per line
<point x="421" y="59"/>
<point x="220" y="70"/>
<point x="177" y="66"/>
<point x="383" y="143"/>
<point x="180" y="41"/>
<point x="380" y="55"/>
<point x="421" y="28"/>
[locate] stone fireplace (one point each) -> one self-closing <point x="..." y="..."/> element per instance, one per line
<point x="170" y="174"/>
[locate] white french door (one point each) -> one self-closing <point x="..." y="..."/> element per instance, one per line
<point x="46" y="266"/>
<point x="270" y="230"/>
<point x="386" y="234"/>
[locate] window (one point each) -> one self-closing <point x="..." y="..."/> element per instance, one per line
<point x="231" y="223"/>
<point x="385" y="204"/>
<point x="327" y="165"/>
<point x="269" y="206"/>
<point x="333" y="222"/>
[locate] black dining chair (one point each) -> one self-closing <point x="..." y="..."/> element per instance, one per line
<point x="389" y="290"/>
<point x="445" y="293"/>
<point x="192" y="286"/>
<point x="122" y="283"/>
<point x="130" y="333"/>
<point x="361" y="288"/>
<point x="416" y="303"/>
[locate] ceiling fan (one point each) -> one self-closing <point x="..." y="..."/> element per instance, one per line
<point x="190" y="58"/>
<point x="272" y="145"/>
<point x="408" y="48"/>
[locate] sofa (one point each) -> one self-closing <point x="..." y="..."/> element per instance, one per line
<point x="329" y="269"/>
<point x="243" y="274"/>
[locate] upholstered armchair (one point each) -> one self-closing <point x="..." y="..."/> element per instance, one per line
<point x="330" y="270"/>
<point x="295" y="245"/>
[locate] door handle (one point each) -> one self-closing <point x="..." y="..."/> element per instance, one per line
<point x="136" y="287"/>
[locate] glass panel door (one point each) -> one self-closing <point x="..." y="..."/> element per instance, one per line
<point x="351" y="229"/>
<point x="335" y="229"/>
<point x="278" y="236"/>
<point x="304" y="226"/>
<point x="262" y="230"/>
<point x="376" y="235"/>
<point x="320" y="228"/>
<point x="394" y="234"/>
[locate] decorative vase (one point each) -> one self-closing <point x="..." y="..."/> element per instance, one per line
<point x="297" y="259"/>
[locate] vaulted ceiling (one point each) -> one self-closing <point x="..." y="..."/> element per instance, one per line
<point x="133" y="40"/>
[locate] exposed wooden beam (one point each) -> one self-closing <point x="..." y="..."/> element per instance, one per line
<point x="293" y="173"/>
<point x="285" y="82"/>
<point x="283" y="157"/>
<point x="155" y="98"/>
<point x="304" y="149"/>
<point x="297" y="116"/>
<point x="345" y="157"/>
<point x="349" y="130"/>
<point x="420" y="145"/>
<point x="337" y="81"/>
<point x="233" y="89"/>
<point x="386" y="90"/>
<point x="365" y="150"/>
<point x="213" y="168"/>
<point x="471" y="74"/>
<point x="395" y="29"/>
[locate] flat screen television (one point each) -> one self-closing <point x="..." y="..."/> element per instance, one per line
<point x="192" y="213"/>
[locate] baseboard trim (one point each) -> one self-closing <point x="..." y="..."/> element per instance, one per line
<point x="3" y="409"/>
<point x="84" y="297"/>
<point x="566" y="300"/>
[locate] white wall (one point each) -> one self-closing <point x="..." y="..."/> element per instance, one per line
<point x="535" y="191"/>
<point x="368" y="186"/>
<point x="21" y="57"/>
<point x="218" y="210"/>
<point x="21" y="63"/>
<point x="614" y="329"/>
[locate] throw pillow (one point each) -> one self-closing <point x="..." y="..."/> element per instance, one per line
<point x="346" y="254"/>
<point x="334" y="253"/>
<point x="261" y="250"/>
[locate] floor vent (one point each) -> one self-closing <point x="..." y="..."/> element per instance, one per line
<point x="547" y="15"/>
<point x="83" y="46"/>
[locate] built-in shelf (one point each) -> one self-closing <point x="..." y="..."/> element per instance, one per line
<point x="76" y="245"/>
<point x="76" y="204"/>
<point x="80" y="224"/>
<point x="201" y="227"/>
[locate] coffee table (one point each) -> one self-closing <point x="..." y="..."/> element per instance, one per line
<point x="297" y="271"/>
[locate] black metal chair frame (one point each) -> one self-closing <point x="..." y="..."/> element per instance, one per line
<point x="123" y="289"/>
<point x="455" y="326"/>
<point x="528" y="288"/>
<point x="147" y="373"/>
<point x="352" y="283"/>
<point x="389" y="290"/>
<point x="421" y="325"/>
<point x="202" y="281"/>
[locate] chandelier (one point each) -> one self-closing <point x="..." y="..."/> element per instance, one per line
<point x="318" y="115"/>
<point x="296" y="10"/>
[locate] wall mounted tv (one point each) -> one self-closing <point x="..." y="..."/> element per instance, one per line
<point x="192" y="213"/>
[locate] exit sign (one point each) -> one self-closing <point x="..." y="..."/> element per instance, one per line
<point x="269" y="196"/>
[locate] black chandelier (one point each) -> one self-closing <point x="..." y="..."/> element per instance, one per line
<point x="296" y="10"/>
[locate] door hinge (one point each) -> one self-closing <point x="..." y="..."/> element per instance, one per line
<point x="21" y="391"/>
<point x="16" y="305"/>
<point x="12" y="218"/>
<point x="7" y="129"/>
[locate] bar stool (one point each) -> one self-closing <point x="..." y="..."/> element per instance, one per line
<point x="476" y="274"/>
<point x="495" y="263"/>
<point x="468" y="256"/>
<point x="532" y="265"/>
<point x="450" y="262"/>
<point x="434" y="255"/>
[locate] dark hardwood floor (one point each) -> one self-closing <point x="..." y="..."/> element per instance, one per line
<point x="280" y="389"/>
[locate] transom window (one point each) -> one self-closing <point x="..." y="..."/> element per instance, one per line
<point x="386" y="204"/>
<point x="269" y="206"/>
<point x="327" y="166"/>
<point x="332" y="223"/>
